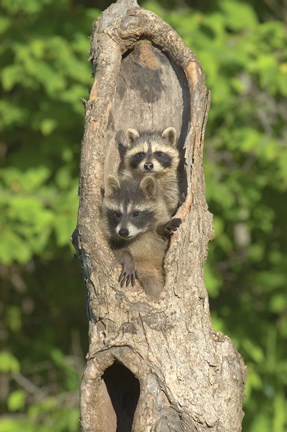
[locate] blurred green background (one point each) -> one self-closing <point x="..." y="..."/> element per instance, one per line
<point x="44" y="73"/>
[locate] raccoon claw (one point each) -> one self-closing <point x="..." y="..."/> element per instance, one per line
<point x="134" y="276"/>
<point x="128" y="277"/>
<point x="170" y="227"/>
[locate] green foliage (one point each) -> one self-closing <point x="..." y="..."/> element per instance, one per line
<point x="16" y="400"/>
<point x="8" y="363"/>
<point x="44" y="74"/>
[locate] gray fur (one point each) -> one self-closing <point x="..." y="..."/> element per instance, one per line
<point x="165" y="176"/>
<point x="140" y="256"/>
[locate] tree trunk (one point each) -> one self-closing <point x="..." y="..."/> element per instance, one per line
<point x="152" y="365"/>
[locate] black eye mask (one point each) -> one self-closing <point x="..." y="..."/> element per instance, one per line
<point x="163" y="158"/>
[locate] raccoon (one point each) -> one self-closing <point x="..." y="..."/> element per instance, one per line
<point x="137" y="225"/>
<point x="153" y="154"/>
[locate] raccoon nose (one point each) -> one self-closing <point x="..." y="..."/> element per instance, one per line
<point x="148" y="166"/>
<point x="124" y="232"/>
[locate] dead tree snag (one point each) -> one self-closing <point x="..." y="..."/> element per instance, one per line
<point x="151" y="366"/>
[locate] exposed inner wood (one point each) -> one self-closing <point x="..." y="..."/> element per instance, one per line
<point x="151" y="95"/>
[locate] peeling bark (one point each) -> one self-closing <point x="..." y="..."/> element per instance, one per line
<point x="152" y="366"/>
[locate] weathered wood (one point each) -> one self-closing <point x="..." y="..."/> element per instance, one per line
<point x="191" y="378"/>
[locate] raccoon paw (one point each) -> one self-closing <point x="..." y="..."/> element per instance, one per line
<point x="171" y="226"/>
<point x="127" y="276"/>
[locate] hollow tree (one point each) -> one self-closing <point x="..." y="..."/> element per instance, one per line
<point x="153" y="365"/>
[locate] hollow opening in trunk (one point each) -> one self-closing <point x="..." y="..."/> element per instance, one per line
<point x="124" y="390"/>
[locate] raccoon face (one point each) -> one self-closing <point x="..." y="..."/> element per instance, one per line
<point x="152" y="153"/>
<point x="128" y="221"/>
<point x="128" y="208"/>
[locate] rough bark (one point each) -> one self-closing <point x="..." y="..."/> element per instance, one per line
<point x="152" y="366"/>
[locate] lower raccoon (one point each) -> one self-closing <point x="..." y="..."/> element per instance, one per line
<point x="153" y="154"/>
<point x="137" y="224"/>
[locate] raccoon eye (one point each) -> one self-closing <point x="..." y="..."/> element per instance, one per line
<point x="135" y="214"/>
<point x="140" y="155"/>
<point x="117" y="214"/>
<point x="159" y="154"/>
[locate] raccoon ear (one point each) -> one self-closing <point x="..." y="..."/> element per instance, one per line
<point x="169" y="135"/>
<point x="113" y="184"/>
<point x="132" y="135"/>
<point x="148" y="186"/>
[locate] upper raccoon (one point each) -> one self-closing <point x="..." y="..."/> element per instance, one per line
<point x="137" y="225"/>
<point x="153" y="154"/>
